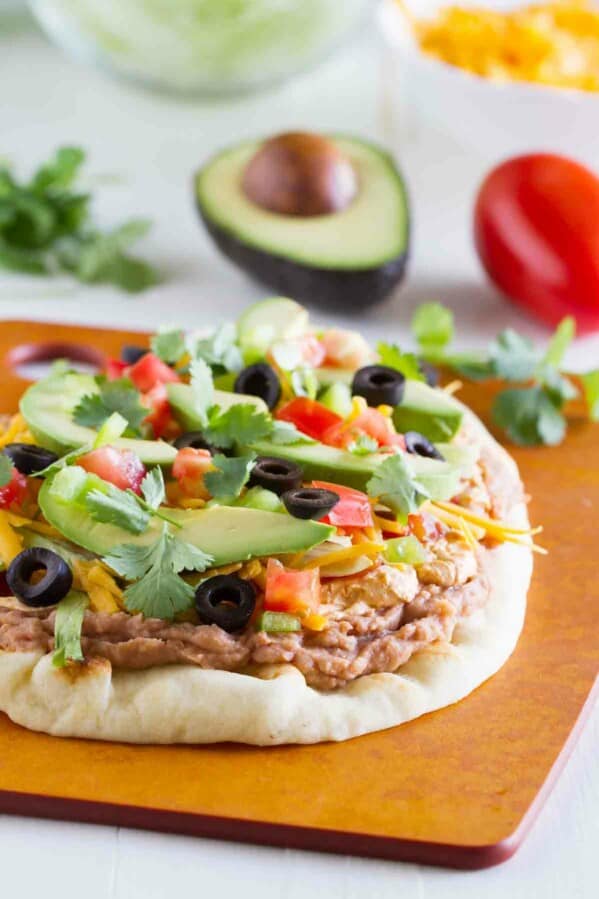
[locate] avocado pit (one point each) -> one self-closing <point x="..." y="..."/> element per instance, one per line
<point x="300" y="174"/>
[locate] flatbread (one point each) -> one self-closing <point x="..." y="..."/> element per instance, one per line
<point x="185" y="704"/>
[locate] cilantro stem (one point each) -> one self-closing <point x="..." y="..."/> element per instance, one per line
<point x="155" y="512"/>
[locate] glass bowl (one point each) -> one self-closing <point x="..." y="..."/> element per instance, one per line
<point x="201" y="46"/>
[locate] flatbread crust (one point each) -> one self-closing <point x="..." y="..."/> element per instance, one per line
<point x="185" y="704"/>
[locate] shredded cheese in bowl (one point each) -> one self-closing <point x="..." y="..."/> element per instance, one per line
<point x="555" y="44"/>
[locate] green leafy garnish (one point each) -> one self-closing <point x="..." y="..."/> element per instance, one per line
<point x="203" y="388"/>
<point x="394" y="485"/>
<point x="242" y="423"/>
<point x="529" y="416"/>
<point x="119" y="396"/>
<point x="5" y="470"/>
<point x="285" y="433"/>
<point x="45" y="227"/>
<point x="363" y="445"/>
<point x="406" y="363"/>
<point x="220" y="350"/>
<point x="117" y="507"/>
<point x="590" y="384"/>
<point x="152" y="488"/>
<point x="158" y="590"/>
<point x="169" y="344"/>
<point x="230" y="477"/>
<point x="67" y="628"/>
<point x="432" y="326"/>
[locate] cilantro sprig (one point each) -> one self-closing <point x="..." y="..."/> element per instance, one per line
<point x="531" y="413"/>
<point x="46" y="227"/>
<point x="158" y="590"/>
<point x="395" y="485"/>
<point x="230" y="476"/>
<point x="120" y="396"/>
<point x="126" y="509"/>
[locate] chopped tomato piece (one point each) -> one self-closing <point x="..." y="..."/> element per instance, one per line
<point x="369" y="422"/>
<point x="345" y="349"/>
<point x="13" y="493"/>
<point x="115" y="369"/>
<point x="309" y="416"/>
<point x="313" y="351"/>
<point x="159" y="417"/>
<point x="122" y="468"/>
<point x="291" y="591"/>
<point x="189" y="468"/>
<point x="353" y="509"/>
<point x="150" y="370"/>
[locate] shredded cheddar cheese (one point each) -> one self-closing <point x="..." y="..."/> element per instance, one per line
<point x="497" y="530"/>
<point x="555" y="44"/>
<point x="11" y="542"/>
<point x="104" y="593"/>
<point x="16" y="431"/>
<point x="342" y="555"/>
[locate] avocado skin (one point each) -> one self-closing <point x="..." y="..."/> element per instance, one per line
<point x="343" y="290"/>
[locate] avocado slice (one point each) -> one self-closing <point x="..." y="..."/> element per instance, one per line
<point x="228" y="533"/>
<point x="429" y="411"/>
<point x="184" y="407"/>
<point x="47" y="407"/>
<point x="347" y="259"/>
<point x="325" y="463"/>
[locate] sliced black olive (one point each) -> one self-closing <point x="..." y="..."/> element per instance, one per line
<point x="55" y="582"/>
<point x="278" y="475"/>
<point x="194" y="439"/>
<point x="29" y="459"/>
<point x="132" y="354"/>
<point x="309" y="502"/>
<point x="260" y="380"/>
<point x="379" y="385"/>
<point x="226" y="600"/>
<point x="418" y="445"/>
<point x="430" y="373"/>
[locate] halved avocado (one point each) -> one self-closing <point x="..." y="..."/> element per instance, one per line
<point x="348" y="258"/>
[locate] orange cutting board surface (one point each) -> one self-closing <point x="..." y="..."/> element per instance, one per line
<point x="458" y="787"/>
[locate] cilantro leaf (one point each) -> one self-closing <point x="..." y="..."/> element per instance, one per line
<point x="68" y="624"/>
<point x="114" y="396"/>
<point x="169" y="344"/>
<point x="5" y="470"/>
<point x="152" y="488"/>
<point x="285" y="433"/>
<point x="528" y="416"/>
<point x="590" y="384"/>
<point x="158" y="591"/>
<point x="242" y="423"/>
<point x="558" y="388"/>
<point x="230" y="477"/>
<point x="203" y="388"/>
<point x="60" y="171"/>
<point x="363" y="445"/>
<point x="220" y="350"/>
<point x="117" y="507"/>
<point x="394" y="484"/>
<point x="432" y="326"/>
<point x="512" y="356"/>
<point x="406" y="363"/>
<point x="559" y="343"/>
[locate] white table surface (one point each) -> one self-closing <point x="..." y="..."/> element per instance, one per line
<point x="153" y="144"/>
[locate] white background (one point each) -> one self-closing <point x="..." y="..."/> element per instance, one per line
<point x="152" y="145"/>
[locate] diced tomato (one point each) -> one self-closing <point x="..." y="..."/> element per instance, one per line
<point x="156" y="400"/>
<point x="345" y="349"/>
<point x="13" y="493"/>
<point x="369" y="422"/>
<point x="313" y="351"/>
<point x="291" y="591"/>
<point x="353" y="509"/>
<point x="115" y="369"/>
<point x="424" y="526"/>
<point x="309" y="416"/>
<point x="122" y="468"/>
<point x="189" y="468"/>
<point x="150" y="370"/>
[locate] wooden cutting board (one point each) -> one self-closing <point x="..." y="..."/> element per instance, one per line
<point x="459" y="787"/>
